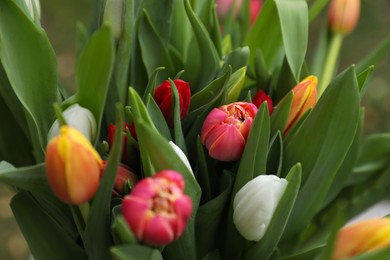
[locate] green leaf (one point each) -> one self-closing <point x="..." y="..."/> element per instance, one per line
<point x="235" y="85"/>
<point x="98" y="240"/>
<point x="122" y="231"/>
<point x="29" y="178"/>
<point x="275" y="155"/>
<point x="236" y="59"/>
<point x="30" y="64"/>
<point x="135" y="252"/>
<point x="37" y="225"/>
<point x="158" y="118"/>
<point x="293" y="17"/>
<point x="208" y="53"/>
<point x="374" y="57"/>
<point x="151" y="84"/>
<point x="94" y="72"/>
<point x="331" y="128"/>
<point x="177" y="129"/>
<point x="267" y="245"/>
<point x="374" y="255"/>
<point x="152" y="46"/>
<point x="363" y="79"/>
<point x="280" y="114"/>
<point x="286" y="25"/>
<point x="210" y="216"/>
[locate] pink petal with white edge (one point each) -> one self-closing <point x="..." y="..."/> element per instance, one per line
<point x="135" y="210"/>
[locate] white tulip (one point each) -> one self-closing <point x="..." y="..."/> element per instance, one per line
<point x="78" y="117"/>
<point x="113" y="15"/>
<point x="182" y="155"/>
<point x="255" y="204"/>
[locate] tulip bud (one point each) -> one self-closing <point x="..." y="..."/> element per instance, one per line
<point x="254" y="8"/>
<point x="305" y="97"/>
<point x="182" y="155"/>
<point x="111" y="134"/>
<point x="157" y="210"/>
<point x="225" y="130"/>
<point x="163" y="98"/>
<point x="362" y="237"/>
<point x="223" y="7"/>
<point x="34" y="7"/>
<point x="124" y="181"/>
<point x="260" y="97"/>
<point x="72" y="166"/>
<point x="255" y="204"/>
<point x="77" y="117"/>
<point x="343" y="15"/>
<point x="113" y="15"/>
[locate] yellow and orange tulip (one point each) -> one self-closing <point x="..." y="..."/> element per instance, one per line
<point x="362" y="237"/>
<point x="73" y="166"/>
<point x="343" y="15"/>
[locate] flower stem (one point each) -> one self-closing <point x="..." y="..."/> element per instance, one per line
<point x="333" y="53"/>
<point x="60" y="117"/>
<point x="84" y="210"/>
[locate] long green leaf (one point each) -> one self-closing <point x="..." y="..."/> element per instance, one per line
<point x="98" y="240"/>
<point x="331" y="128"/>
<point x="94" y="72"/>
<point x="30" y="64"/>
<point x="135" y="252"/>
<point x="37" y="226"/>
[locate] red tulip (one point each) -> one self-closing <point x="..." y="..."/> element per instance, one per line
<point x="260" y="97"/>
<point x="157" y="210"/>
<point x="362" y="237"/>
<point x="72" y="166"/>
<point x="225" y="130"/>
<point x="163" y="98"/>
<point x="124" y="179"/>
<point x="343" y="15"/>
<point x="110" y="138"/>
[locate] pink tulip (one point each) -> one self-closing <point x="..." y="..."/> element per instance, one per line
<point x="305" y="97"/>
<point x="163" y="98"/>
<point x="260" y="97"/>
<point x="224" y="6"/>
<point x="225" y="130"/>
<point x="73" y="166"/>
<point x="362" y="237"/>
<point x="157" y="210"/>
<point x="343" y="15"/>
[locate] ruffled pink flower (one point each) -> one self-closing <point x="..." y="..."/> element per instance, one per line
<point x="225" y="130"/>
<point x="157" y="210"/>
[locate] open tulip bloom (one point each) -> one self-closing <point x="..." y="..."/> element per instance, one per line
<point x="197" y="130"/>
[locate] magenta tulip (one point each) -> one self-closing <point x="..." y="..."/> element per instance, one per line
<point x="225" y="130"/>
<point x="157" y="210"/>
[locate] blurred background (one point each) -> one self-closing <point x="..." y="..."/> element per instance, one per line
<point x="59" y="19"/>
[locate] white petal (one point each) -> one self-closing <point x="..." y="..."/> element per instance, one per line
<point x="182" y="155"/>
<point x="255" y="204"/>
<point x="78" y="117"/>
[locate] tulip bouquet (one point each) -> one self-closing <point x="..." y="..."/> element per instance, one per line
<point x="198" y="130"/>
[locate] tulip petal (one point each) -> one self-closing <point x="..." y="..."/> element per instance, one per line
<point x="229" y="145"/>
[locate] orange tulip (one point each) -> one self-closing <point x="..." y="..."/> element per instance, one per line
<point x="343" y="15"/>
<point x="362" y="237"/>
<point x="73" y="166"/>
<point x="305" y="97"/>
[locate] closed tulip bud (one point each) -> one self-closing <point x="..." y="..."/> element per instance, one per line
<point x="110" y="138"/>
<point x="163" y="98"/>
<point x="226" y="129"/>
<point x="343" y="15"/>
<point x="255" y="204"/>
<point x="157" y="210"/>
<point x="254" y="8"/>
<point x="305" y="97"/>
<point x="260" y="97"/>
<point x="224" y="6"/>
<point x="362" y="237"/>
<point x="113" y="15"/>
<point x="77" y="117"/>
<point x="125" y="180"/>
<point x="34" y="8"/>
<point x="73" y="166"/>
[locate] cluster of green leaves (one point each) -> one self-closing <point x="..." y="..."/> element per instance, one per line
<point x="327" y="169"/>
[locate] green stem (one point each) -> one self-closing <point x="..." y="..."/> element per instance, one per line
<point x="316" y="8"/>
<point x="60" y="117"/>
<point x="84" y="210"/>
<point x="333" y="53"/>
